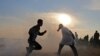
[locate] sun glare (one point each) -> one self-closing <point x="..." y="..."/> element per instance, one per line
<point x="64" y="19"/>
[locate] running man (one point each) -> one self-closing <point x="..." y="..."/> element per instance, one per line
<point x="33" y="32"/>
<point x="67" y="39"/>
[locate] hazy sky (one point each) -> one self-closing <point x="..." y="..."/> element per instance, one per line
<point x="17" y="16"/>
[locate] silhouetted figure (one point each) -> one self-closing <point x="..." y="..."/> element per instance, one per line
<point x="76" y="37"/>
<point x="33" y="32"/>
<point x="67" y="39"/>
<point x="96" y="38"/>
<point x="86" y="39"/>
<point x="80" y="41"/>
<point x="91" y="41"/>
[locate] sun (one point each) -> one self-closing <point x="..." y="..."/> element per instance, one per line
<point x="64" y="19"/>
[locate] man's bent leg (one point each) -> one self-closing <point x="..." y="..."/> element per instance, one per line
<point x="37" y="46"/>
<point x="74" y="50"/>
<point x="29" y="49"/>
<point x="60" y="48"/>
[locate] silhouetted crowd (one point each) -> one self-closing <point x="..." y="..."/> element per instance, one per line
<point x="93" y="41"/>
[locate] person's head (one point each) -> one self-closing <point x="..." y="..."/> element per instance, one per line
<point x="96" y="31"/>
<point x="40" y="22"/>
<point x="60" y="26"/>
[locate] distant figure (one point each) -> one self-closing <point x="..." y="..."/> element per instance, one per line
<point x="76" y="37"/>
<point x="96" y="38"/>
<point x="67" y="39"/>
<point x="33" y="32"/>
<point x="96" y="35"/>
<point x="91" y="41"/>
<point x="86" y="40"/>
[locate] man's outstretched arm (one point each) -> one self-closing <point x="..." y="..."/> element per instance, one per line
<point x="42" y="33"/>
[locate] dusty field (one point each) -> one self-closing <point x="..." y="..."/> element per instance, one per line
<point x="17" y="48"/>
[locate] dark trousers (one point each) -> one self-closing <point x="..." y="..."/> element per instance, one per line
<point x="74" y="50"/>
<point x="72" y="47"/>
<point x="34" y="45"/>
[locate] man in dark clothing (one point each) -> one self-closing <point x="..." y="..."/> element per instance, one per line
<point x="33" y="32"/>
<point x="96" y="38"/>
<point x="96" y="35"/>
